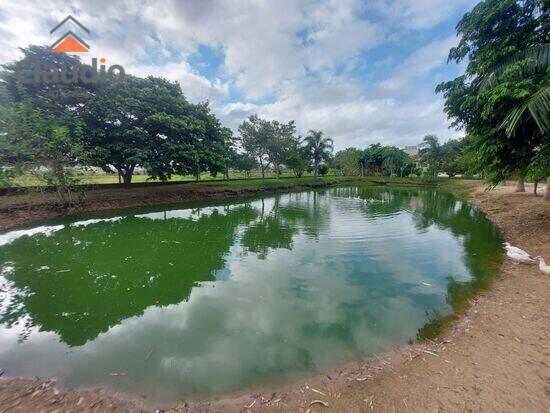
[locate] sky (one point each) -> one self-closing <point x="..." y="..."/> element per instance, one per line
<point x="362" y="71"/>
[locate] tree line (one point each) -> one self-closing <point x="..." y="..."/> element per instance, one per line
<point x="46" y="128"/>
<point x="431" y="159"/>
<point x="501" y="103"/>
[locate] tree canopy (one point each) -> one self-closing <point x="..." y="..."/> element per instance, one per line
<point x="501" y="84"/>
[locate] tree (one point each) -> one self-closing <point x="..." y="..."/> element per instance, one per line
<point x="347" y="161"/>
<point x="539" y="169"/>
<point x="255" y="136"/>
<point x="372" y="159"/>
<point x="116" y="119"/>
<point x="243" y="162"/>
<point x="41" y="126"/>
<point x="492" y="99"/>
<point x="323" y="169"/>
<point x="319" y="148"/>
<point x="431" y="153"/>
<point x="394" y="159"/>
<point x="298" y="163"/>
<point x="281" y="143"/>
<point x="148" y="122"/>
<point x="453" y="160"/>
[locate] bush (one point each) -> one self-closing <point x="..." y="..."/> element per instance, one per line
<point x="323" y="169"/>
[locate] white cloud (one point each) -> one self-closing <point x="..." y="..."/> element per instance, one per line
<point x="417" y="65"/>
<point x="282" y="59"/>
<point x="420" y="14"/>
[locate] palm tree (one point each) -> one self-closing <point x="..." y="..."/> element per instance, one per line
<point x="535" y="59"/>
<point x="319" y="148"/>
<point x="536" y="107"/>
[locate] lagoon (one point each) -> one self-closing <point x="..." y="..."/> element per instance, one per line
<point x="213" y="298"/>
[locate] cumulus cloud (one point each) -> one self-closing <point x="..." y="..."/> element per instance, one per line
<point x="362" y="71"/>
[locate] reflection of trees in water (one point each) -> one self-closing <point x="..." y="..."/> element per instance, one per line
<point x="290" y="214"/>
<point x="82" y="280"/>
<point x="479" y="237"/>
<point x="117" y="269"/>
<point x="481" y="242"/>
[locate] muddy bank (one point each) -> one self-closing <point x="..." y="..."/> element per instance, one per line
<point x="496" y="358"/>
<point x="32" y="207"/>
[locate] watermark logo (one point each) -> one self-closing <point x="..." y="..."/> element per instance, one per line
<point x="69" y="42"/>
<point x="65" y="74"/>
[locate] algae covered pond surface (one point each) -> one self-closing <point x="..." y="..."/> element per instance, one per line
<point x="215" y="298"/>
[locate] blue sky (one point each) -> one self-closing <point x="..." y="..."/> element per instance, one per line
<point x="363" y="71"/>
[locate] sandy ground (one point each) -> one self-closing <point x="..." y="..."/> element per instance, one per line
<point x="495" y="359"/>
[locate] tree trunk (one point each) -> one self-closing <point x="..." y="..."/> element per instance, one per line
<point x="127" y="175"/>
<point x="547" y="190"/>
<point x="535" y="186"/>
<point x="520" y="186"/>
<point x="315" y="169"/>
<point x="59" y="173"/>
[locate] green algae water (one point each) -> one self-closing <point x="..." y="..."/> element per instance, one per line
<point x="213" y="298"/>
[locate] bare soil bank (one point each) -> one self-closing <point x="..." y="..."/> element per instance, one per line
<point x="31" y="207"/>
<point x="495" y="359"/>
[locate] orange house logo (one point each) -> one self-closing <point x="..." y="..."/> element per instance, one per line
<point x="69" y="42"/>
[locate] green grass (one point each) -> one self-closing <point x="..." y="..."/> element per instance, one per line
<point x="306" y="180"/>
<point x="88" y="178"/>
<point x="237" y="180"/>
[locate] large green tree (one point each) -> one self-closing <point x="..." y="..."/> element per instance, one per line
<point x="41" y="128"/>
<point x="281" y="144"/>
<point x="269" y="142"/>
<point x="500" y="79"/>
<point x="255" y="136"/>
<point x="347" y="161"/>
<point x="116" y="120"/>
<point x="454" y="162"/>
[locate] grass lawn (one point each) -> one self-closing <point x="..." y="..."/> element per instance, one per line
<point x="87" y="178"/>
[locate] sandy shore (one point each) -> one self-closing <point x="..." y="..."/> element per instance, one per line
<point x="495" y="359"/>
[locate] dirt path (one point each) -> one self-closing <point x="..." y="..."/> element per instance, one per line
<point x="496" y="359"/>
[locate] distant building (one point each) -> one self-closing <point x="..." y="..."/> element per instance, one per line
<point x="411" y="150"/>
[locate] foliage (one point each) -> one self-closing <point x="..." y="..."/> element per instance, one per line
<point x="454" y="161"/>
<point x="148" y="122"/>
<point x="255" y="135"/>
<point x="298" y="163"/>
<point x="243" y="162"/>
<point x="41" y="128"/>
<point x="323" y="169"/>
<point x="319" y="148"/>
<point x="493" y="99"/>
<point x="385" y="160"/>
<point x="372" y="159"/>
<point x="347" y="161"/>
<point x="431" y="153"/>
<point x="281" y="143"/>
